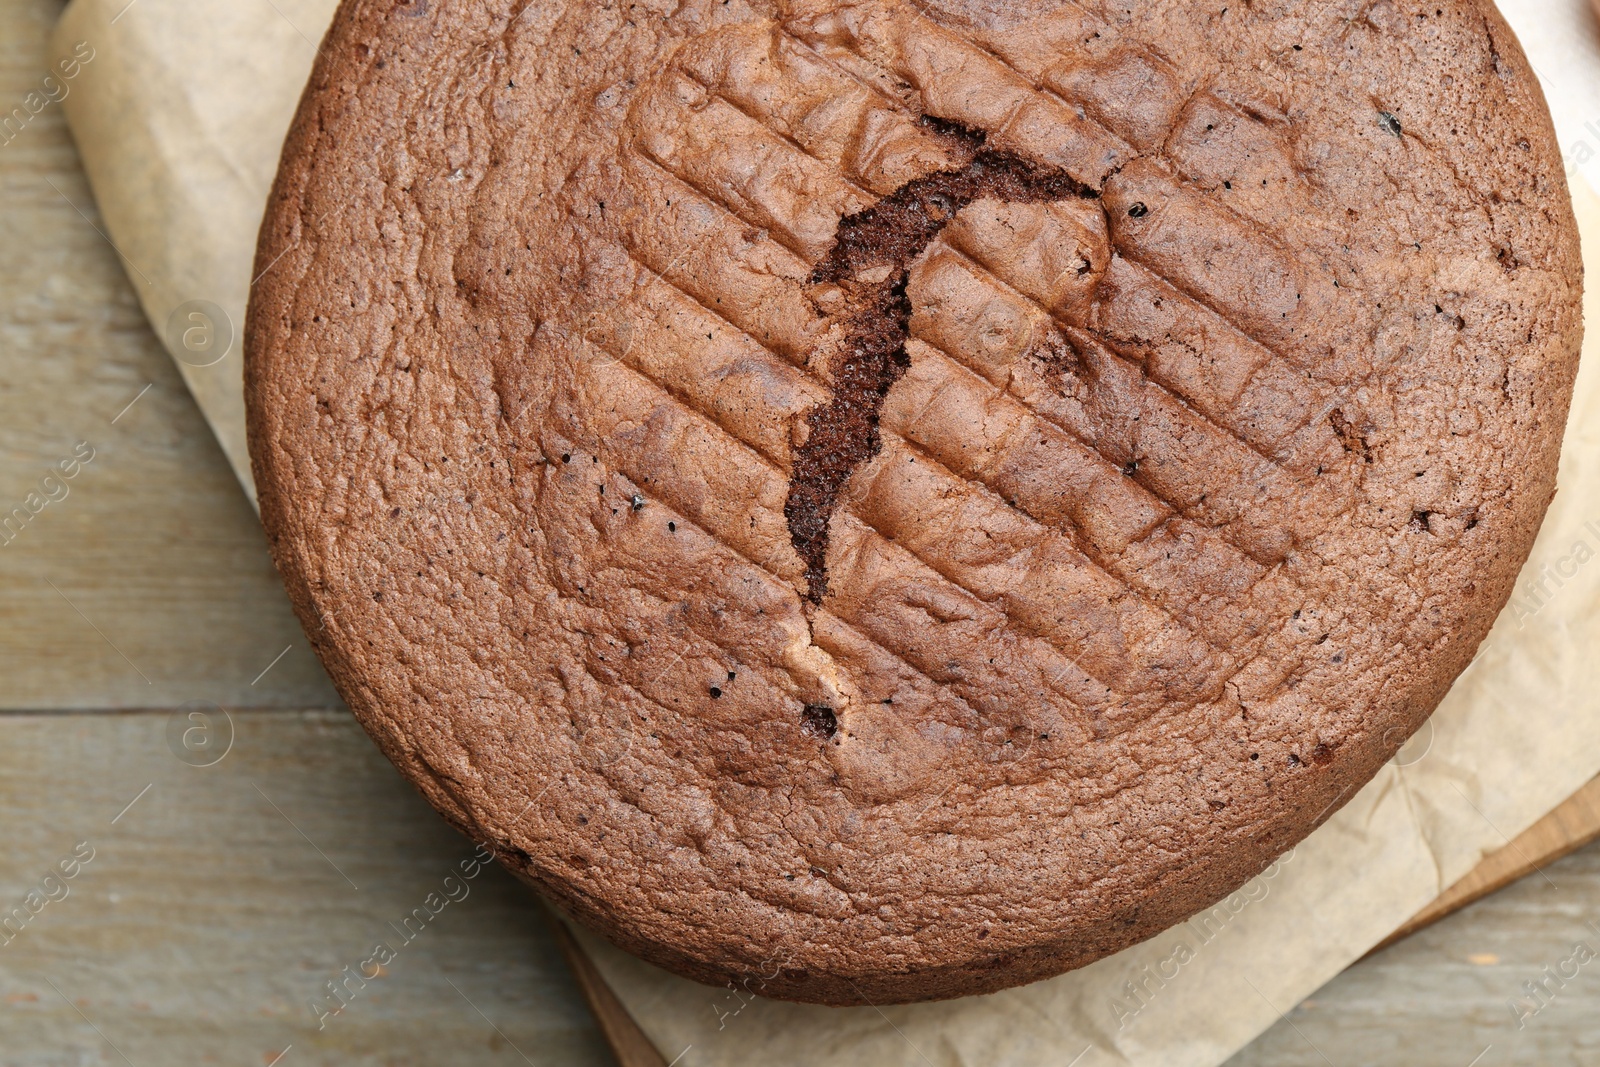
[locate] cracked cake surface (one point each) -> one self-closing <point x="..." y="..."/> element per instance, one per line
<point x="928" y="493"/>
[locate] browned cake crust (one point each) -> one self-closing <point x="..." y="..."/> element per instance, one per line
<point x="878" y="501"/>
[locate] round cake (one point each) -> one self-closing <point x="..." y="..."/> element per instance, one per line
<point x="875" y="500"/>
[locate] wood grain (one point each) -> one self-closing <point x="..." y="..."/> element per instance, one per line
<point x="148" y="584"/>
<point x="220" y="901"/>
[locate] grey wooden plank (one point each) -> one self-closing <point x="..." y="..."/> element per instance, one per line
<point x="216" y="907"/>
<point x="147" y="583"/>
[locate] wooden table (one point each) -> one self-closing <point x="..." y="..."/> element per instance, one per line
<point x="220" y="900"/>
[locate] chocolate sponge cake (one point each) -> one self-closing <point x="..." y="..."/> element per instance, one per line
<point x="878" y="500"/>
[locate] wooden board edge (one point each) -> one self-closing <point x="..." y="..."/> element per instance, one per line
<point x="628" y="1042"/>
<point x="1570" y="826"/>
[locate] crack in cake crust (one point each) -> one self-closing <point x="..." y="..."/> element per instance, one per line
<point x="869" y="264"/>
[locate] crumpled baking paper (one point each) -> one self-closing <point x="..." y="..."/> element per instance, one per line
<point x="179" y="120"/>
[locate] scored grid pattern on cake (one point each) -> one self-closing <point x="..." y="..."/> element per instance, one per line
<point x="783" y="353"/>
<point x="725" y="205"/>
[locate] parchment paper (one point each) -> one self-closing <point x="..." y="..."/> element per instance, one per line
<point x="179" y="119"/>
